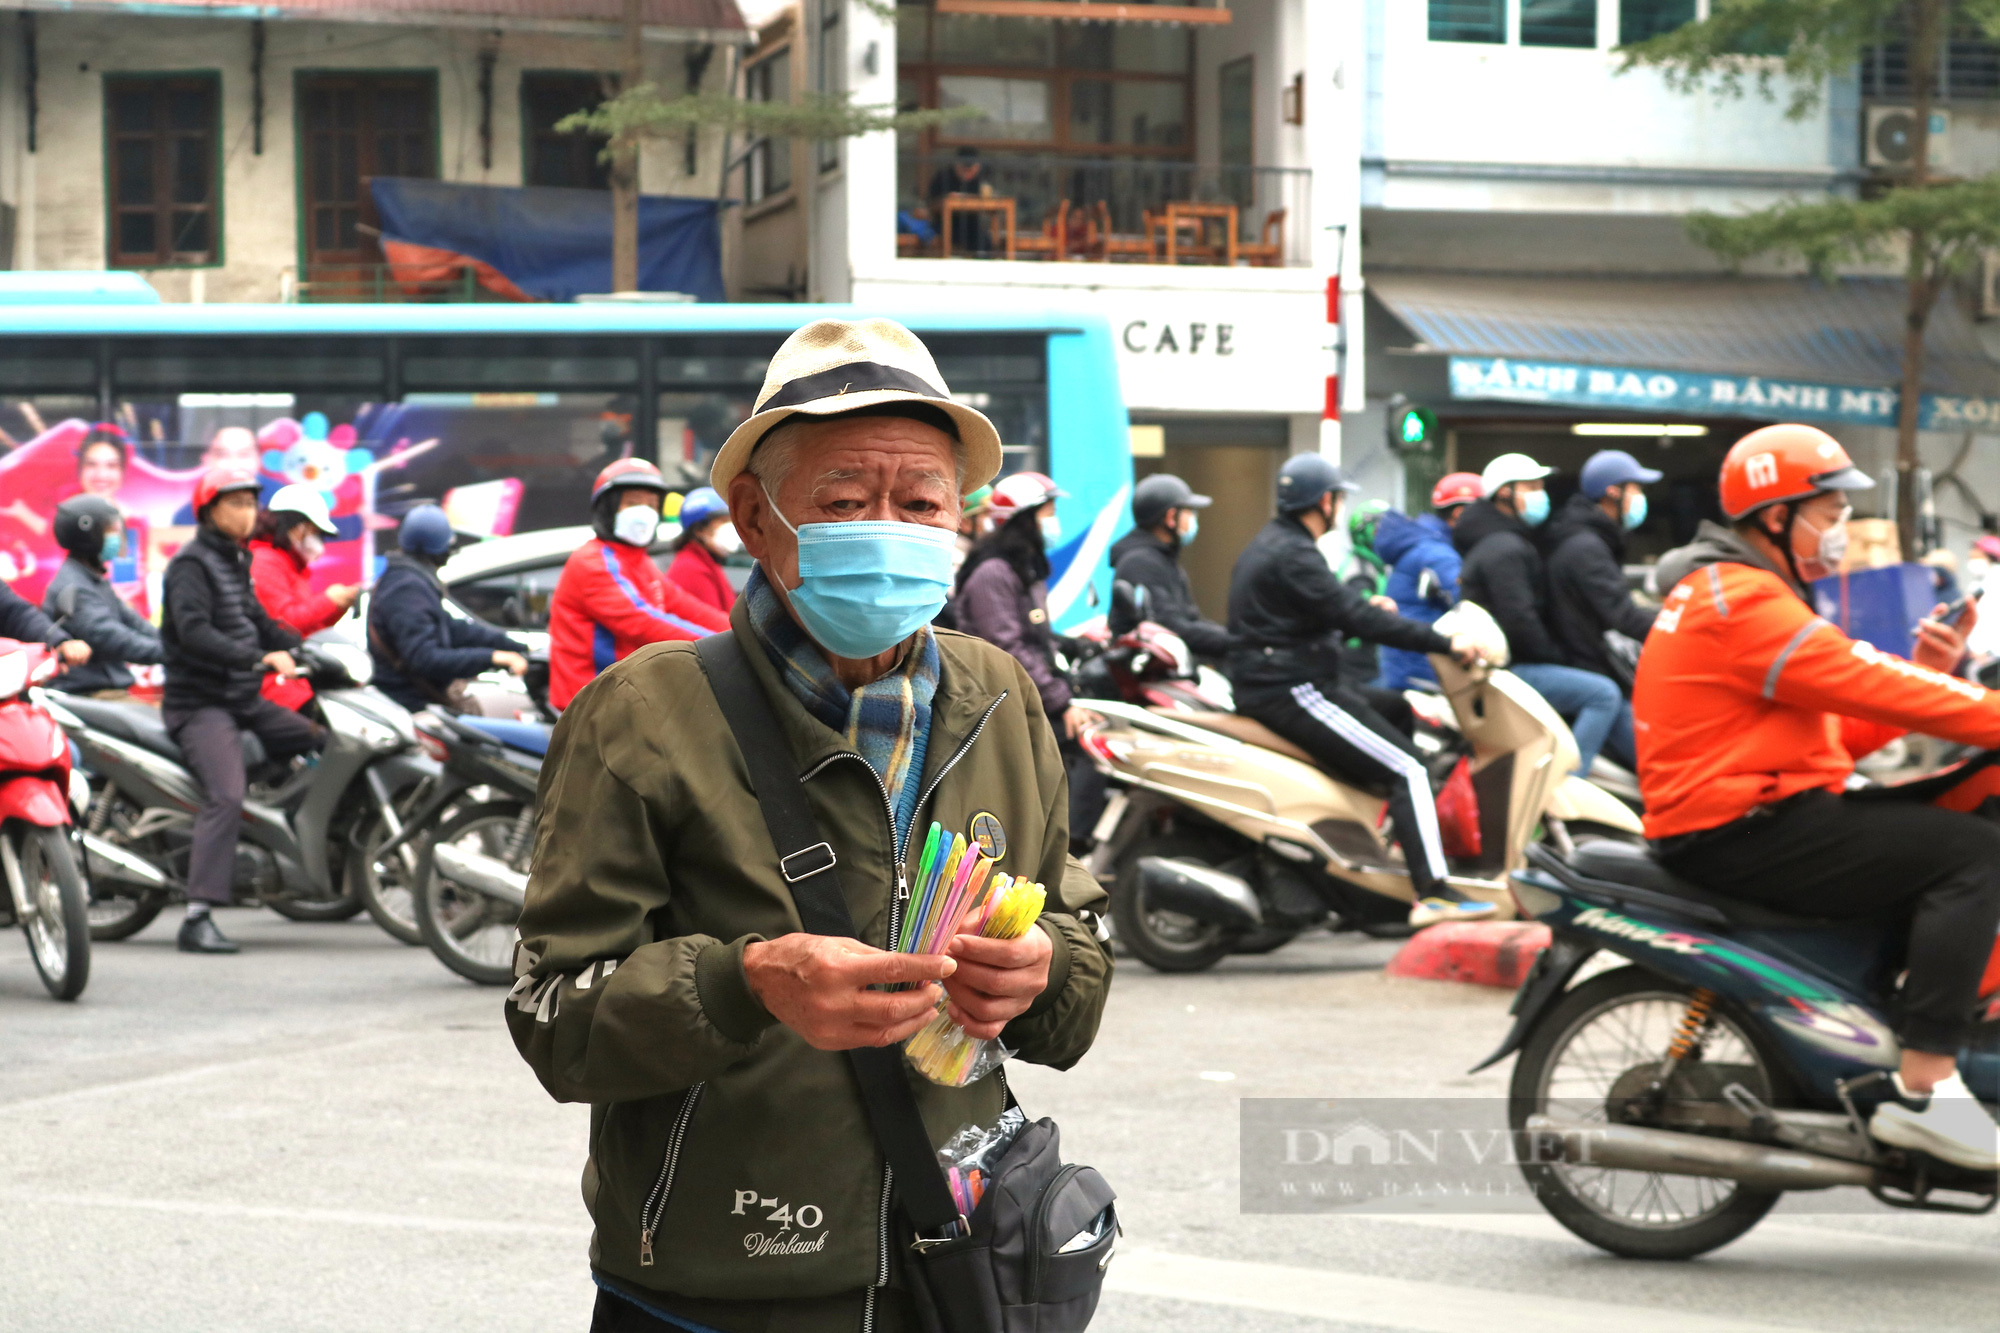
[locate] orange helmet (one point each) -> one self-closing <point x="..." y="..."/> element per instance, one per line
<point x="1775" y="464"/>
<point x="1457" y="488"/>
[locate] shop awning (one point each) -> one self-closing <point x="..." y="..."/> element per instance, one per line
<point x="1772" y="347"/>
<point x="1092" y="11"/>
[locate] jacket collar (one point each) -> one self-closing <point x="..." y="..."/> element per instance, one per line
<point x="215" y="541"/>
<point x="423" y="569"/>
<point x="1714" y="544"/>
<point x="95" y="573"/>
<point x="1580" y="515"/>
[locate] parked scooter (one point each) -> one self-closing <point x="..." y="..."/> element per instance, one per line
<point x="1662" y="1108"/>
<point x="1222" y="837"/>
<point x="308" y="827"/>
<point x="473" y="837"/>
<point x="46" y="893"/>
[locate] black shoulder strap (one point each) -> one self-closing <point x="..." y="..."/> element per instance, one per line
<point x="807" y="862"/>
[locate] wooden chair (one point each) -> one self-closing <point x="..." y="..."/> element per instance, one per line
<point x="1052" y="241"/>
<point x="1270" y="251"/>
<point x="1111" y="244"/>
<point x="955" y="204"/>
<point x="1199" y="216"/>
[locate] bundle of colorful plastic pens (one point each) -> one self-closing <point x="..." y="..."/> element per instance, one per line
<point x="956" y="893"/>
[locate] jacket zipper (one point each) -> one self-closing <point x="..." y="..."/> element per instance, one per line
<point x="900" y="845"/>
<point x="663" y="1188"/>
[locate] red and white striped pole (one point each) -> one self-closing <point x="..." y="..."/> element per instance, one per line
<point x="1329" y="421"/>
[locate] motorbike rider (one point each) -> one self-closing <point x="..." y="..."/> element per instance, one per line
<point x="1288" y="614"/>
<point x="219" y="641"/>
<point x="1166" y="514"/>
<point x="707" y="537"/>
<point x="1752" y="710"/>
<point x="290" y="534"/>
<point x="612" y="599"/>
<point x="91" y="530"/>
<point x="1423" y="571"/>
<point x="1588" y="595"/>
<point x="421" y="651"/>
<point x="1503" y="572"/>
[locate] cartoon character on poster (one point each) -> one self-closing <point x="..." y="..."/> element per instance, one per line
<point x="309" y="452"/>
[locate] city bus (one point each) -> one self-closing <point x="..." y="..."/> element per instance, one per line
<point x="505" y="411"/>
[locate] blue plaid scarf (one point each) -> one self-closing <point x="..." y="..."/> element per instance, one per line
<point x="887" y="721"/>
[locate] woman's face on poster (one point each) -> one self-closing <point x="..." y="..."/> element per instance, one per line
<point x="100" y="469"/>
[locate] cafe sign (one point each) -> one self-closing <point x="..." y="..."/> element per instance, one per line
<point x="1704" y="394"/>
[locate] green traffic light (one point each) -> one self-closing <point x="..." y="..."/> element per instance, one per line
<point x="1413" y="428"/>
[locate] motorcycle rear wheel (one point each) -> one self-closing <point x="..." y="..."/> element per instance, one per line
<point x="120" y="918"/>
<point x="59" y="934"/>
<point x="470" y="933"/>
<point x="1595" y="1033"/>
<point x="1166" y="941"/>
<point x="387" y="896"/>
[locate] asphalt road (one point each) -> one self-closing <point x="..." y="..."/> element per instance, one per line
<point x="330" y="1132"/>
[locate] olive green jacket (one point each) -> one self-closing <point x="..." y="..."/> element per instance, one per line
<point x="744" y="1151"/>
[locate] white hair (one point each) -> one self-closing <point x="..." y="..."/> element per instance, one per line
<point x="774" y="456"/>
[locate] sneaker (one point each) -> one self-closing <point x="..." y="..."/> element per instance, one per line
<point x="1431" y="911"/>
<point x="1950" y="1124"/>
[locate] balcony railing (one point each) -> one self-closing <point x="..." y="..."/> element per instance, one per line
<point x="370" y="284"/>
<point x="1129" y="210"/>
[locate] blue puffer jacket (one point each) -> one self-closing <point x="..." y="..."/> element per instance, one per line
<point x="1411" y="546"/>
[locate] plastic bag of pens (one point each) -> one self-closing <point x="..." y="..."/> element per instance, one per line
<point x="970" y="1155"/>
<point x="958" y="893"/>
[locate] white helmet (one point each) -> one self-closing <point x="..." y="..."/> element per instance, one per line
<point x="1508" y="468"/>
<point x="304" y="501"/>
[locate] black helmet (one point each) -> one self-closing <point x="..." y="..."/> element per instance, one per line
<point x="1306" y="477"/>
<point x="1153" y="497"/>
<point x="81" y="522"/>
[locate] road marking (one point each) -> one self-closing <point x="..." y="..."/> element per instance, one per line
<point x="1394" y="1302"/>
<point x="315" y="1216"/>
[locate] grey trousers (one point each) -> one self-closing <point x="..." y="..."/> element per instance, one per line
<point x="210" y="740"/>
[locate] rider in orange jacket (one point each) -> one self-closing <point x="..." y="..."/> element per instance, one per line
<point x="1749" y="712"/>
<point x="612" y="598"/>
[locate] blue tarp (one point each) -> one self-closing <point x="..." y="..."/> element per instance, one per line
<point x="552" y="243"/>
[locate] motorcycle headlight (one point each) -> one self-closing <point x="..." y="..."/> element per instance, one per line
<point x="13" y="673"/>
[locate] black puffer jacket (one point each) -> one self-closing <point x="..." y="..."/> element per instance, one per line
<point x="22" y="621"/>
<point x="1503" y="572"/>
<point x="93" y="612"/>
<point x="1141" y="559"/>
<point x="1288" y="613"/>
<point x="1587" y="590"/>
<point x="215" y="631"/>
<point x="416" y="642"/>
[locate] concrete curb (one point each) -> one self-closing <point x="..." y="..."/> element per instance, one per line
<point x="1480" y="953"/>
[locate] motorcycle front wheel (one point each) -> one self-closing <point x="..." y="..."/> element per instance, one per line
<point x="473" y="934"/>
<point x="386" y="893"/>
<point x="59" y="930"/>
<point x="1607" y="1027"/>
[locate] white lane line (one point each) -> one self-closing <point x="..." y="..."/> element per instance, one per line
<point x="1393" y="1302"/>
<point x="313" y="1216"/>
<point x="309" y="1046"/>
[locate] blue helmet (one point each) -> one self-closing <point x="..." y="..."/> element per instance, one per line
<point x="1612" y="467"/>
<point x="1306" y="477"/>
<point x="425" y="531"/>
<point x="701" y="505"/>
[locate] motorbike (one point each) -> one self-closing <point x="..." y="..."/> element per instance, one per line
<point x="1662" y="1107"/>
<point x="46" y="893"/>
<point x="473" y="837"/>
<point x="1219" y="836"/>
<point x="308" y="825"/>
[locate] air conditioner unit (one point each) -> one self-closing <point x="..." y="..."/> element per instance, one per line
<point x="1892" y="139"/>
<point x="1989" y="285"/>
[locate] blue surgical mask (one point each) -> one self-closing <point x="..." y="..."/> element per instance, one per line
<point x="1534" y="508"/>
<point x="1194" y="526"/>
<point x="1635" y="511"/>
<point x="114" y="542"/>
<point x="866" y="586"/>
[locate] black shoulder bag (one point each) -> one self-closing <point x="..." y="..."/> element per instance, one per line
<point x="1031" y="1258"/>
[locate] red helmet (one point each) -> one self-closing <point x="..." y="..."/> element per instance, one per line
<point x="1457" y="488"/>
<point x="628" y="472"/>
<point x="1022" y="491"/>
<point x="1988" y="546"/>
<point x="1780" y="463"/>
<point x="220" y="481"/>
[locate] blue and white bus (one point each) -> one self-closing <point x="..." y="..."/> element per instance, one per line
<point x="539" y="394"/>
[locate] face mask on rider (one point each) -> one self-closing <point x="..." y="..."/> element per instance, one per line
<point x="1635" y="510"/>
<point x="311" y="547"/>
<point x="635" y="525"/>
<point x="1827" y="555"/>
<point x="725" y="539"/>
<point x="1051" y="529"/>
<point x="1192" y="527"/>
<point x="866" y="585"/>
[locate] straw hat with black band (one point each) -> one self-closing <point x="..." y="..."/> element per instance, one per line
<point x="832" y="367"/>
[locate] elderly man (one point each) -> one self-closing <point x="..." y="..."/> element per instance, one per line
<point x="733" y="1179"/>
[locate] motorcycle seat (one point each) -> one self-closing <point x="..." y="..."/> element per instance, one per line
<point x="142" y="725"/>
<point x="1625" y="864"/>
<point x="1248" y="730"/>
<point x="530" y="736"/>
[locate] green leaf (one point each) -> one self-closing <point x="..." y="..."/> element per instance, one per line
<point x="642" y="112"/>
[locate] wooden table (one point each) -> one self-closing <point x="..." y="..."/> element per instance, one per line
<point x="1198" y="216"/>
<point x="968" y="203"/>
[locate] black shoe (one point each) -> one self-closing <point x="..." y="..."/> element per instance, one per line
<point x="201" y="935"/>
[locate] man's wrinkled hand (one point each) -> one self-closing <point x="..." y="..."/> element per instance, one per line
<point x="74" y="652"/>
<point x="996" y="980"/>
<point x="818" y="986"/>
<point x="1940" y="646"/>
